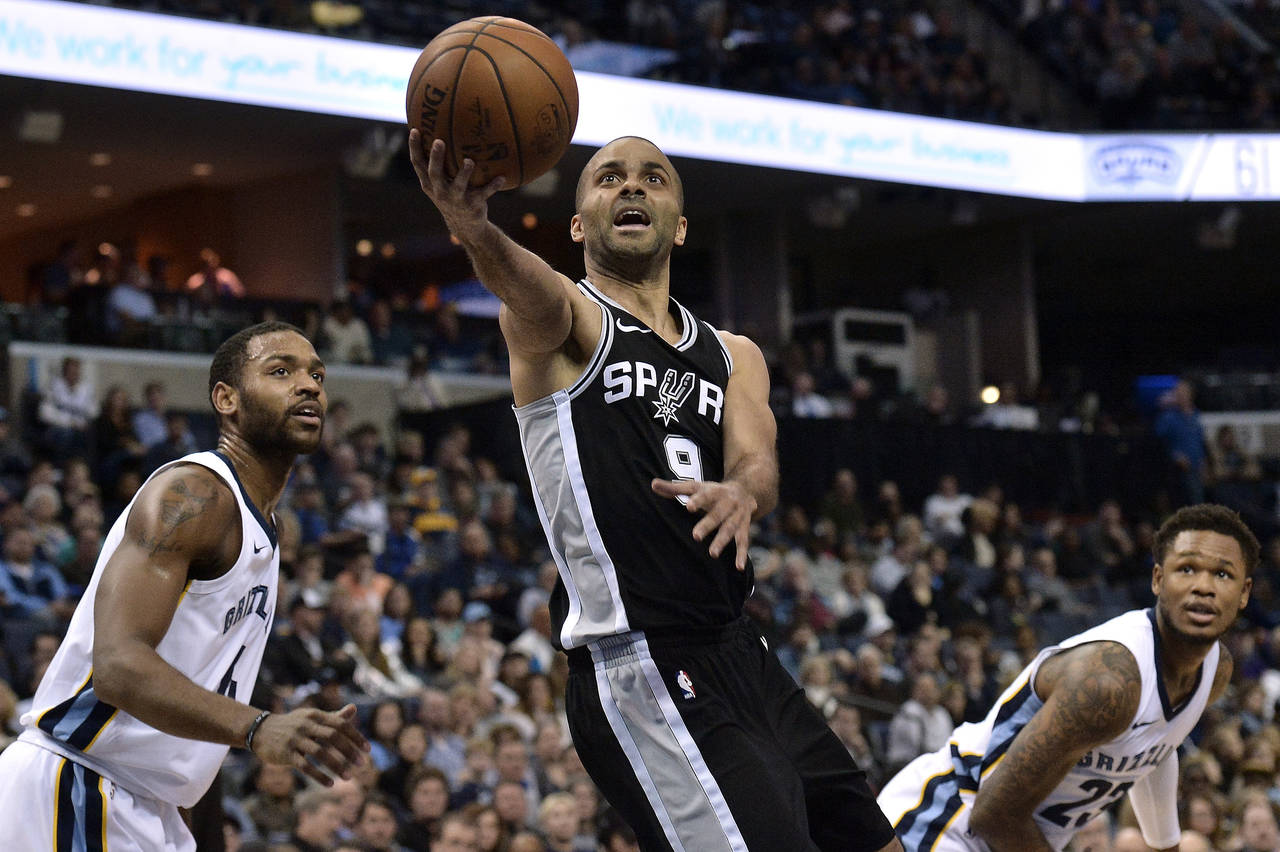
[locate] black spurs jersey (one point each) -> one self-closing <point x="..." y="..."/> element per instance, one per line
<point x="642" y="409"/>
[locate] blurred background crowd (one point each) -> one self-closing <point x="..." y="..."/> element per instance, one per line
<point x="926" y="545"/>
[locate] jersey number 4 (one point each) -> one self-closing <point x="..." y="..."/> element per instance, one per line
<point x="227" y="686"/>
<point x="684" y="457"/>
<point x="1098" y="790"/>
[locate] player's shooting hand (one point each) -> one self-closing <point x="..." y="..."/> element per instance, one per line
<point x="309" y="739"/>
<point x="727" y="508"/>
<point x="463" y="207"/>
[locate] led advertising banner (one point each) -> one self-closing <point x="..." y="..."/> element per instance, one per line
<point x="138" y="51"/>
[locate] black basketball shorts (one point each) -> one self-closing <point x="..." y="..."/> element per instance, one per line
<point x="705" y="743"/>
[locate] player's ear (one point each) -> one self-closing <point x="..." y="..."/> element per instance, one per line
<point x="1244" y="595"/>
<point x="682" y="229"/>
<point x="575" y="229"/>
<point x="1157" y="575"/>
<point x="226" y="399"/>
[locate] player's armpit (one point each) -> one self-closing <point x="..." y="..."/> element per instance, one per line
<point x="1091" y="694"/>
<point x="750" y="431"/>
<point x="178" y="526"/>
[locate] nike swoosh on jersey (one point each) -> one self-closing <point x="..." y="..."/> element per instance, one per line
<point x="257" y="547"/>
<point x="1137" y="725"/>
<point x="640" y="329"/>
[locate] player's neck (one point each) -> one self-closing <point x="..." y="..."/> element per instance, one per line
<point x="1180" y="658"/>
<point x="263" y="478"/>
<point x="647" y="301"/>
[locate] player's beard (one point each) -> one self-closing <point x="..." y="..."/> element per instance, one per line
<point x="1203" y="639"/>
<point x="274" y="434"/>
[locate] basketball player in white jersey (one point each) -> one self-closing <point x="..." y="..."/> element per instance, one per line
<point x="650" y="448"/>
<point x="1095" y="718"/>
<point x="150" y="687"/>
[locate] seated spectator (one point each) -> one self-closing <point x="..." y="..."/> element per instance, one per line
<point x="360" y="582"/>
<point x="44" y="507"/>
<point x="452" y="351"/>
<point x="131" y="310"/>
<point x="379" y="671"/>
<point x="558" y="820"/>
<point x="31" y="588"/>
<point x="67" y="409"/>
<point x="316" y="820"/>
<point x="214" y="282"/>
<point x="271" y="806"/>
<point x="366" y="512"/>
<point x="407" y="754"/>
<point x="943" y="510"/>
<point x="299" y="650"/>
<point x="377" y="825"/>
<point x="390" y="340"/>
<point x="921" y="725"/>
<point x="114" y="441"/>
<point x="345" y="336"/>
<point x="427" y="795"/>
<point x="149" y="421"/>
<point x="420" y="390"/>
<point x="178" y="442"/>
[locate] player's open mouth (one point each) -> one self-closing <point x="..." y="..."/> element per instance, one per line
<point x="308" y="413"/>
<point x="631" y="219"/>
<point x="1201" y="614"/>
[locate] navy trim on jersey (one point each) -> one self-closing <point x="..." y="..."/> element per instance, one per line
<point x="269" y="529"/>
<point x="78" y="720"/>
<point x="1169" y="710"/>
<point x="80" y="813"/>
<point x="919" y="827"/>
<point x="64" y="816"/>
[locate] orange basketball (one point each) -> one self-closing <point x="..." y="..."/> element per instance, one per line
<point x="498" y="91"/>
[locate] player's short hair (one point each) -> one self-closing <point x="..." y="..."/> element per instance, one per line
<point x="1208" y="517"/>
<point x="229" y="360"/>
<point x="581" y="191"/>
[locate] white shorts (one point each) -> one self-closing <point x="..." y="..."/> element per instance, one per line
<point x="50" y="803"/>
<point x="928" y="810"/>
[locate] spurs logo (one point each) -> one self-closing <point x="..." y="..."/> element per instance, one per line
<point x="672" y="395"/>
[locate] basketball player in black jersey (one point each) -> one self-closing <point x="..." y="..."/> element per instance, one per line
<point x="650" y="447"/>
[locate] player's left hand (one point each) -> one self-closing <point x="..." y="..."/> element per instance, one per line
<point x="728" y="508"/>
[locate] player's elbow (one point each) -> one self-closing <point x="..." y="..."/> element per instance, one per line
<point x="113" y="675"/>
<point x="985" y="821"/>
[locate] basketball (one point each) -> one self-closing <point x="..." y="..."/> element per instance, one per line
<point x="498" y="91"/>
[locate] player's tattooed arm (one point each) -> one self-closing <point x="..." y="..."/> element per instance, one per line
<point x="1091" y="694"/>
<point x="186" y="499"/>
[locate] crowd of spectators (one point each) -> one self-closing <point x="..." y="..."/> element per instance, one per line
<point x="416" y="584"/>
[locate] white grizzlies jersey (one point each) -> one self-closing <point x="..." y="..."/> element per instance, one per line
<point x="216" y="639"/>
<point x="928" y="801"/>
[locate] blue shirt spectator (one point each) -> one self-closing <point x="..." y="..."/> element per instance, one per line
<point x="28" y="586"/>
<point x="1178" y="427"/>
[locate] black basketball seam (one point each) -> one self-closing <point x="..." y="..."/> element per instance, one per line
<point x="564" y="102"/>
<point x="502" y="87"/>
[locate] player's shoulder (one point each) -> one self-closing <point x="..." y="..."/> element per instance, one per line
<point x="742" y="348"/>
<point x="187" y="489"/>
<point x="1100" y="680"/>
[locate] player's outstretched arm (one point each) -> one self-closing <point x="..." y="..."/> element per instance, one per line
<point x="537" y="314"/>
<point x="176" y="532"/>
<point x="1091" y="694"/>
<point x="749" y="489"/>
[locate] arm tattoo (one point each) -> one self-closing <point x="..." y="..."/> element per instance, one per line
<point x="1094" y="699"/>
<point x="182" y="501"/>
